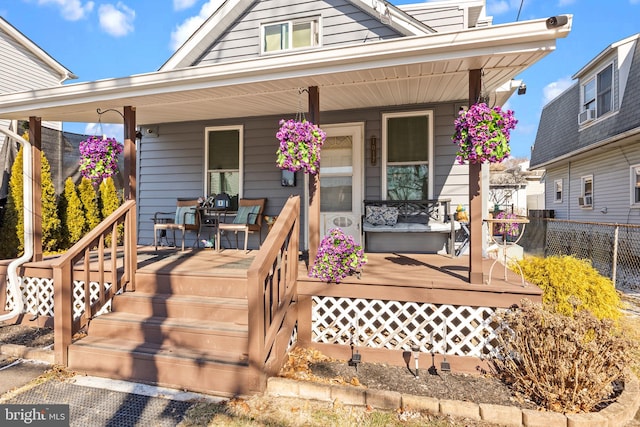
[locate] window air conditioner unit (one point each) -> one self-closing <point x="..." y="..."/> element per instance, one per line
<point x="584" y="201"/>
<point x="586" y="116"/>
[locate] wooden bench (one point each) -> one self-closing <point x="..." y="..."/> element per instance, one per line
<point x="401" y="225"/>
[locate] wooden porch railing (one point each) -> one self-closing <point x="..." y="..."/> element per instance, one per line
<point x="272" y="295"/>
<point x="92" y="248"/>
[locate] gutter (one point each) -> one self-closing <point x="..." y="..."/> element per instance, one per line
<point x="12" y="269"/>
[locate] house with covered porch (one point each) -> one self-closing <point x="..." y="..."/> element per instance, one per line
<point x="386" y="84"/>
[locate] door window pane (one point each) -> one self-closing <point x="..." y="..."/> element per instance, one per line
<point x="336" y="194"/>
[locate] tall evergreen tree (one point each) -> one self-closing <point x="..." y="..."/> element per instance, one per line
<point x="12" y="229"/>
<point x="72" y="214"/>
<point x="50" y="220"/>
<point x="109" y="202"/>
<point x="89" y="199"/>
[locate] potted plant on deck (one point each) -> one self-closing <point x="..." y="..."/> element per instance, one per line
<point x="338" y="257"/>
<point x="482" y="134"/>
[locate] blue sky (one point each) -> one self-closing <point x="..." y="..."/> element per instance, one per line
<point x="102" y="39"/>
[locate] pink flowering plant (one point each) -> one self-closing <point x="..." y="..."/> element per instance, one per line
<point x="99" y="158"/>
<point x="300" y="145"/>
<point x="482" y="134"/>
<point x="510" y="229"/>
<point x="338" y="257"/>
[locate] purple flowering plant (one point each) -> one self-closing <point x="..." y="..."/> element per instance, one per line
<point x="482" y="134"/>
<point x="510" y="229"/>
<point x="300" y="145"/>
<point x="99" y="158"/>
<point x="338" y="257"/>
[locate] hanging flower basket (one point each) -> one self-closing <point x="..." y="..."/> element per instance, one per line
<point x="99" y="158"/>
<point x="482" y="134"/>
<point x="300" y="145"/>
<point x="338" y="257"/>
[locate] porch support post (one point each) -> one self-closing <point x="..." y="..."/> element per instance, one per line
<point x="314" y="183"/>
<point x="35" y="138"/>
<point x="475" y="196"/>
<point x="129" y="153"/>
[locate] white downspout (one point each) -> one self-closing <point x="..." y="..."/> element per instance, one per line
<point x="12" y="269"/>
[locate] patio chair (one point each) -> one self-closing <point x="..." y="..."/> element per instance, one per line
<point x="185" y="218"/>
<point x="247" y="220"/>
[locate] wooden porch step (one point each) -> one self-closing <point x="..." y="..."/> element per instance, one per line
<point x="179" y="306"/>
<point x="219" y="372"/>
<point x="191" y="284"/>
<point x="184" y="333"/>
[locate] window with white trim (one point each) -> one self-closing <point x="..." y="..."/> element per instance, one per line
<point x="407" y="155"/>
<point x="635" y="185"/>
<point x="223" y="165"/>
<point x="597" y="94"/>
<point x="288" y="35"/>
<point x="557" y="186"/>
<point x="586" y="195"/>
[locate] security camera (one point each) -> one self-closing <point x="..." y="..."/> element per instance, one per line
<point x="149" y="130"/>
<point x="557" y="21"/>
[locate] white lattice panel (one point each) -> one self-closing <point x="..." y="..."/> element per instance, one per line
<point x="456" y="330"/>
<point x="37" y="294"/>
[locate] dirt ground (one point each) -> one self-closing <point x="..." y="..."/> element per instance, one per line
<point x="25" y="335"/>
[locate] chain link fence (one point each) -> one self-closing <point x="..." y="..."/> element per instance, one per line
<point x="614" y="249"/>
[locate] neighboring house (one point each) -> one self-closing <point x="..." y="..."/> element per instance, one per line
<point x="25" y="66"/>
<point x="515" y="188"/>
<point x="588" y="140"/>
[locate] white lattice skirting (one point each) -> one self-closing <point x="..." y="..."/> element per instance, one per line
<point x="395" y="325"/>
<point x="37" y="294"/>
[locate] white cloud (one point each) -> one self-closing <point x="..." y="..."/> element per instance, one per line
<point x="497" y="7"/>
<point x="634" y="1"/>
<point x="116" y="20"/>
<point x="71" y="10"/>
<point x="183" y="4"/>
<point x="110" y="130"/>
<point x="554" y="89"/>
<point x="562" y="3"/>
<point x="190" y="25"/>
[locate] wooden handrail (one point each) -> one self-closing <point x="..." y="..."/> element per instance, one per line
<point x="120" y="225"/>
<point x="272" y="291"/>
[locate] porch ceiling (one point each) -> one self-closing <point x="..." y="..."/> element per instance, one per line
<point x="423" y="69"/>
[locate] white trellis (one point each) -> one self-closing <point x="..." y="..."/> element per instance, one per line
<point x="37" y="294"/>
<point x="396" y="325"/>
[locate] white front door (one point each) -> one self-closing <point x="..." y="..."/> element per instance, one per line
<point x="341" y="179"/>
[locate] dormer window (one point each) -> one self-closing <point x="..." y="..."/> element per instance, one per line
<point x="287" y="35"/>
<point x="597" y="96"/>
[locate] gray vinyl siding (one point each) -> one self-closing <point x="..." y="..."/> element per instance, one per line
<point x="441" y="19"/>
<point x="171" y="165"/>
<point x="21" y="70"/>
<point x="342" y="24"/>
<point x="611" y="186"/>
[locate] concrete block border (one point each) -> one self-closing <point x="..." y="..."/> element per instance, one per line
<point x="24" y="352"/>
<point x="615" y="415"/>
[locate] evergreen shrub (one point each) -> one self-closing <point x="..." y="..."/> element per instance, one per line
<point x="571" y="284"/>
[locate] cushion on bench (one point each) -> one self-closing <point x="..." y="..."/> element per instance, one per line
<point x="381" y="215"/>
<point x="410" y="227"/>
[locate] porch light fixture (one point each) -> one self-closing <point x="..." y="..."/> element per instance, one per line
<point x="374" y="150"/>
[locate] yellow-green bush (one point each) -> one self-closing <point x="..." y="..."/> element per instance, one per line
<point x="571" y="285"/>
<point x="89" y="198"/>
<point x="109" y="202"/>
<point x="11" y="232"/>
<point x="50" y="218"/>
<point x="72" y="214"/>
